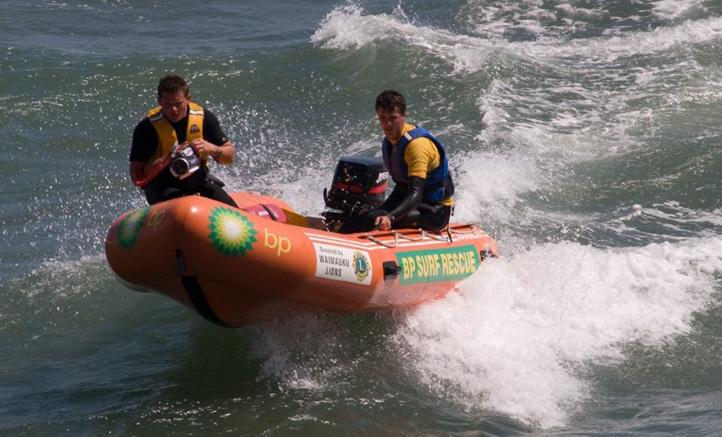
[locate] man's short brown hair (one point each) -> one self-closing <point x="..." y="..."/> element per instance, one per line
<point x="172" y="83"/>
<point x="389" y="100"/>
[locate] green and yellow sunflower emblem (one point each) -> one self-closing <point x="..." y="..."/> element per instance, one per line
<point x="129" y="228"/>
<point x="231" y="232"/>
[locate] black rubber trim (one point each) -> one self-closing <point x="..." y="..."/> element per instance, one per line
<point x="270" y="212"/>
<point x="484" y="254"/>
<point x="195" y="293"/>
<point x="391" y="269"/>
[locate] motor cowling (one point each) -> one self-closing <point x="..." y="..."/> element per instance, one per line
<point x="358" y="186"/>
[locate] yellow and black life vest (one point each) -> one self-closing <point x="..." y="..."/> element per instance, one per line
<point x="166" y="134"/>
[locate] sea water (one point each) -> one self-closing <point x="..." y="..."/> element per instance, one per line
<point x="584" y="136"/>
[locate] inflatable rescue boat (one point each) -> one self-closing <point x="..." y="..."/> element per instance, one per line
<point x="238" y="266"/>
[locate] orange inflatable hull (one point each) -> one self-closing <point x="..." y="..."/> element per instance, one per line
<point x="236" y="267"/>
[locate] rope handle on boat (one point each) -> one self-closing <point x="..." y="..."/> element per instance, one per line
<point x="398" y="236"/>
<point x="456" y="231"/>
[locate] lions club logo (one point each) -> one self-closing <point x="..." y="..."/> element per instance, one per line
<point x="360" y="266"/>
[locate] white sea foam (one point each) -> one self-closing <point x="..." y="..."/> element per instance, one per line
<point x="349" y="27"/>
<point x="676" y="9"/>
<point x="673" y="217"/>
<point x="493" y="182"/>
<point x="519" y="335"/>
<point x="593" y="110"/>
<point x="609" y="50"/>
<point x="303" y="192"/>
<point x="497" y="19"/>
<point x="74" y="273"/>
<point x="551" y="27"/>
<point x="578" y="131"/>
<point x="300" y="352"/>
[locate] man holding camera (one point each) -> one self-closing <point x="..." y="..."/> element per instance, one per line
<point x="160" y="163"/>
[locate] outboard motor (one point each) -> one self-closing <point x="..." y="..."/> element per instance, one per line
<point x="358" y="186"/>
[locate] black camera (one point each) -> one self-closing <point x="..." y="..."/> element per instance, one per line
<point x="184" y="163"/>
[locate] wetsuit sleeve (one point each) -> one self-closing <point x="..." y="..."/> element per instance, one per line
<point x="413" y="197"/>
<point x="394" y="199"/>
<point x="212" y="131"/>
<point x="421" y="157"/>
<point x="145" y="141"/>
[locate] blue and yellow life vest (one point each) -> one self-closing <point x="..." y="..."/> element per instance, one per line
<point x="437" y="181"/>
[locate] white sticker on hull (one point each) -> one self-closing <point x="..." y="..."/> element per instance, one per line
<point x="343" y="264"/>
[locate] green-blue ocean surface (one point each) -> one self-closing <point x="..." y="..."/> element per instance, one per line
<point x="585" y="136"/>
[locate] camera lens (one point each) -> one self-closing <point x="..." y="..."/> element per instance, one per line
<point x="179" y="166"/>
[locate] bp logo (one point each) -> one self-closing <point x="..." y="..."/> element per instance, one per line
<point x="231" y="232"/>
<point x="360" y="266"/>
<point x="129" y="228"/>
